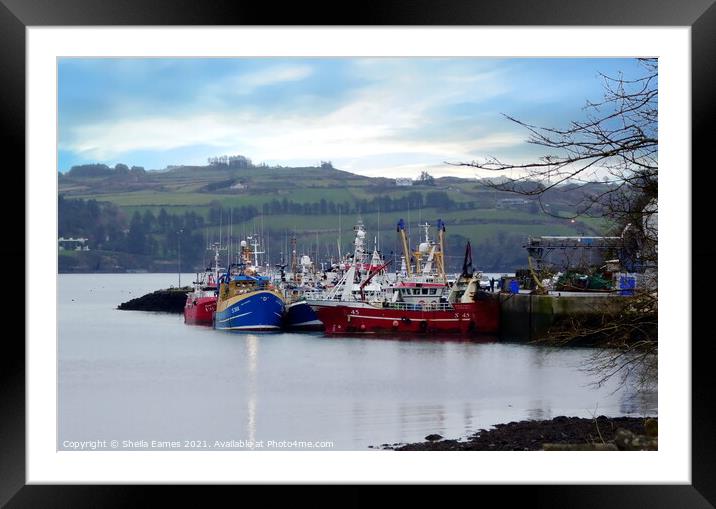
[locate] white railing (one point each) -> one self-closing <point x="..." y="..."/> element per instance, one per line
<point x="406" y="306"/>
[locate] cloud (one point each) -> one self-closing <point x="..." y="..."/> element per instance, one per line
<point x="354" y="132"/>
<point x="247" y="82"/>
<point x="367" y="115"/>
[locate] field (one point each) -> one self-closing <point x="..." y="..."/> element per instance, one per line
<point x="324" y="201"/>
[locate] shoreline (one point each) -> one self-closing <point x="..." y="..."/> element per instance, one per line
<point x="559" y="433"/>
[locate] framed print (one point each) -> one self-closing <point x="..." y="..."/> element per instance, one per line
<point x="341" y="174"/>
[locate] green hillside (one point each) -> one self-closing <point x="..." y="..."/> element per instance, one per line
<point x="150" y="213"/>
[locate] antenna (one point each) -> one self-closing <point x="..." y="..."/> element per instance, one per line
<point x="293" y="254"/>
<point x="339" y="233"/>
<point x="203" y="257"/>
<point x="377" y="241"/>
<point x="221" y="231"/>
<point x="231" y="219"/>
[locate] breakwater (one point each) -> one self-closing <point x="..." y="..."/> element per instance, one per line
<point x="170" y="300"/>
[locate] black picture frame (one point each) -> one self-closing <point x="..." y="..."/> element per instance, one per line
<point x="700" y="15"/>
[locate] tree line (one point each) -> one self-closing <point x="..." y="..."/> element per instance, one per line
<point x="102" y="170"/>
<point x="163" y="235"/>
<point x="108" y="228"/>
<point x="415" y="200"/>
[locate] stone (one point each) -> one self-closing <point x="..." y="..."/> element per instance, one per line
<point x="579" y="447"/>
<point x="627" y="441"/>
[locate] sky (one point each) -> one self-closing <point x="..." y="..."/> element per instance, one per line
<point x="390" y="117"/>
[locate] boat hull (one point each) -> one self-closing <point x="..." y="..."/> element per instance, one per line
<point x="257" y="311"/>
<point x="199" y="311"/>
<point x="300" y="316"/>
<point x="480" y="317"/>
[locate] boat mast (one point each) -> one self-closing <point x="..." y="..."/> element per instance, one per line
<point x="441" y="242"/>
<point x="217" y="247"/>
<point x="293" y="255"/>
<point x="340" y="253"/>
<point x="256" y="252"/>
<point x="359" y="244"/>
<point x="419" y="253"/>
<point x="404" y="242"/>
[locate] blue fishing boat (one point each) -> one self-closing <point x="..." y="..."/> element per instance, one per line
<point x="300" y="316"/>
<point x="301" y="282"/>
<point x="248" y="300"/>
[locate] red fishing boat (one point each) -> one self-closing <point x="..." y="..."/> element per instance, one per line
<point x="466" y="311"/>
<point x="418" y="303"/>
<point x="200" y="303"/>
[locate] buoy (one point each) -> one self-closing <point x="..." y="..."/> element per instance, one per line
<point x="395" y="323"/>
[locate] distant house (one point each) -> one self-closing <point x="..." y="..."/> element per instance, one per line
<point x="72" y="244"/>
<point x="512" y="203"/>
<point x="403" y="182"/>
<point x="238" y="185"/>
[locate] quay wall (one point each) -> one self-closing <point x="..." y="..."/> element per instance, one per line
<point x="526" y="316"/>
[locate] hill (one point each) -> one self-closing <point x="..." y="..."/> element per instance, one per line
<point x="152" y="212"/>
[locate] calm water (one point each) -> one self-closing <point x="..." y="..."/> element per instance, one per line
<point x="139" y="376"/>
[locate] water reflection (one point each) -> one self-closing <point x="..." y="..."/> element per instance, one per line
<point x="633" y="401"/>
<point x="252" y="355"/>
<point x="440" y="338"/>
<point x="355" y="391"/>
<point x="539" y="411"/>
<point x="417" y="417"/>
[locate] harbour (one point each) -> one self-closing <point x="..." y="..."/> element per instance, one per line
<point x="360" y="295"/>
<point x="144" y="375"/>
<point x="427" y="295"/>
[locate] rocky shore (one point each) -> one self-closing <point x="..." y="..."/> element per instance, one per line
<point x="171" y="300"/>
<point x="561" y="433"/>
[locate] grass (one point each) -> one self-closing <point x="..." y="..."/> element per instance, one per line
<point x="152" y="198"/>
<point x="182" y="193"/>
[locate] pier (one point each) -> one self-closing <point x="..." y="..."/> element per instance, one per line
<point x="528" y="316"/>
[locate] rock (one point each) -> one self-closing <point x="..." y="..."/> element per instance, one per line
<point x="651" y="426"/>
<point x="171" y="300"/>
<point x="434" y="437"/>
<point x="579" y="447"/>
<point x="625" y="440"/>
<point x="569" y="433"/>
